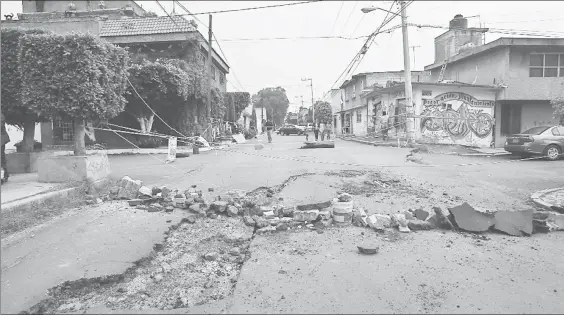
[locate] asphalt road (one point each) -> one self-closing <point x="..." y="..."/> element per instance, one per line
<point x="421" y="272"/>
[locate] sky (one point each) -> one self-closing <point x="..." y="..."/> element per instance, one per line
<point x="256" y="64"/>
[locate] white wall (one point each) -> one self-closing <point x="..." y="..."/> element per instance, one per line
<point x="466" y="124"/>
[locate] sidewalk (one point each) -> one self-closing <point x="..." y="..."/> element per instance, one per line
<point x="549" y="198"/>
<point x="432" y="148"/>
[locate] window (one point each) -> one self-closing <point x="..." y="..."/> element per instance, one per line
<point x="346" y="95"/>
<point x="213" y="70"/>
<point x="358" y="116"/>
<point x="546" y="65"/>
<point x="354" y="91"/>
<point x="361" y="86"/>
<point x="222" y="78"/>
<point x="556" y="132"/>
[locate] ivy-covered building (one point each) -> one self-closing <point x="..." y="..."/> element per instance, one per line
<point x="126" y="24"/>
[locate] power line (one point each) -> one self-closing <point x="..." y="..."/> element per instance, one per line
<point x="254" y="8"/>
<point x="338" y="14"/>
<point x="368" y="42"/>
<point x="347" y="21"/>
<point x="218" y="45"/>
<point x="293" y="38"/>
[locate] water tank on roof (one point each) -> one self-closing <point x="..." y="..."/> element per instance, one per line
<point x="459" y="22"/>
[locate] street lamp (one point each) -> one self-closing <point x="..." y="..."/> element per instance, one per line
<point x="410" y="122"/>
<point x="312" y="107"/>
<point x="370" y="9"/>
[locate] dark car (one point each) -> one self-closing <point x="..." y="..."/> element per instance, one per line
<point x="542" y="140"/>
<point x="291" y="130"/>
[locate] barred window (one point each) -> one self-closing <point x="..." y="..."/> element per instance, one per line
<point x="546" y="65"/>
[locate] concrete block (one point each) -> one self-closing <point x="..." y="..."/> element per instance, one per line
<point x="62" y="169"/>
<point x="309" y="215"/>
<point x="18" y="163"/>
<point x="516" y="223"/>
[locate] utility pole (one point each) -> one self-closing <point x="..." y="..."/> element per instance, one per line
<point x="210" y="65"/>
<point x="410" y="121"/>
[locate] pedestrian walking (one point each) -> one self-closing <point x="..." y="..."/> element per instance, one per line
<point x="269" y="127"/>
<point x="5" y="140"/>
<point x="322" y="131"/>
<point x="316" y="131"/>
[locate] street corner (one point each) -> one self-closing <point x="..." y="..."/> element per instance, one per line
<point x="550" y="199"/>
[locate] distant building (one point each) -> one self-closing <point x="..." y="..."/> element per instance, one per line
<point x="352" y="113"/>
<point x="529" y="72"/>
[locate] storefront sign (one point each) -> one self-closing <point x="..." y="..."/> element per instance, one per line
<point x="456" y="96"/>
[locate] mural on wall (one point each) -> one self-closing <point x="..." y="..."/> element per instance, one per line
<point x="458" y="115"/>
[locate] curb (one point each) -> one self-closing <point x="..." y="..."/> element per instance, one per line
<point x="537" y="197"/>
<point x="38" y="199"/>
<point x="392" y="145"/>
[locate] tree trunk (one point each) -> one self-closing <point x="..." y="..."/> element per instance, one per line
<point x="146" y="123"/>
<point x="28" y="136"/>
<point x="79" y="133"/>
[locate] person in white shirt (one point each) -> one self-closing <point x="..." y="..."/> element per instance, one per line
<point x="384" y="128"/>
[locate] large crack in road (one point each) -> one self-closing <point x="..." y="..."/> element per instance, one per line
<point x="200" y="259"/>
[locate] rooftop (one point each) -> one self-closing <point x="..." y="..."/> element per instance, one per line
<point x="502" y="42"/>
<point x="401" y="86"/>
<point x="146" y="26"/>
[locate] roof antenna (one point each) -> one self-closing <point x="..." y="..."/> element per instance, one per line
<point x="173" y="7"/>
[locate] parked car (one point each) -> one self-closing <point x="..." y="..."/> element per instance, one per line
<point x="291" y="130"/>
<point x="542" y="140"/>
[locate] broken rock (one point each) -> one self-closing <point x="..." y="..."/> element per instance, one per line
<point x="232" y="211"/>
<point x="541" y="226"/>
<point x="558" y="220"/>
<point x="368" y="249"/>
<point x="419" y="225"/>
<point x="129" y="188"/>
<point x="379" y="222"/>
<point x="287" y="211"/>
<point x="211" y="256"/>
<point x="274" y="221"/>
<point x="219" y="206"/>
<point x="399" y="221"/>
<point x="421" y="214"/>
<point x="260" y="222"/>
<point x="282" y="227"/>
<point x="248" y="220"/>
<point x="516" y="223"/>
<point x="469" y="219"/>
<point x="441" y="220"/>
<point x="309" y="215"/>
<point x="135" y="202"/>
<point x="259" y="146"/>
<point x="266" y="230"/>
<point x="315" y="206"/>
<point x="145" y="191"/>
<point x="325" y="214"/>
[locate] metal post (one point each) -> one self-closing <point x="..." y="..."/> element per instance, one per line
<point x="407" y="71"/>
<point x="312" y="104"/>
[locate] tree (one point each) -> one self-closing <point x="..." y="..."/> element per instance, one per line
<point x="240" y="101"/>
<point x="323" y="112"/>
<point x="14" y="111"/>
<point x="558" y="106"/>
<point x="274" y="101"/>
<point x="159" y="84"/>
<point x="73" y="76"/>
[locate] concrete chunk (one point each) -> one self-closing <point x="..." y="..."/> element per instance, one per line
<point x="315" y="206"/>
<point x="516" y="223"/>
<point x="469" y="219"/>
<point x="419" y="225"/>
<point x="440" y="219"/>
<point x="310" y="215"/>
<point x="129" y="188"/>
<point x="379" y="221"/>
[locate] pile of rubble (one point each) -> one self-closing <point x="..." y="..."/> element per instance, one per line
<point x="277" y="217"/>
<point x="466" y="218"/>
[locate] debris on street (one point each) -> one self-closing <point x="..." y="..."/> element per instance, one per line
<point x="368" y="249"/>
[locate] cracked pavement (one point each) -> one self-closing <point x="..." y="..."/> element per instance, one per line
<point x="415" y="273"/>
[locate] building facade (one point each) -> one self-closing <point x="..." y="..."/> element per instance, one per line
<point x="445" y="113"/>
<point x="125" y="24"/>
<point x="530" y="70"/>
<point x="353" y="112"/>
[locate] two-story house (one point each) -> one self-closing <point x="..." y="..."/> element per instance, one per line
<point x="355" y="114"/>
<point x="125" y="24"/>
<point x="530" y="72"/>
